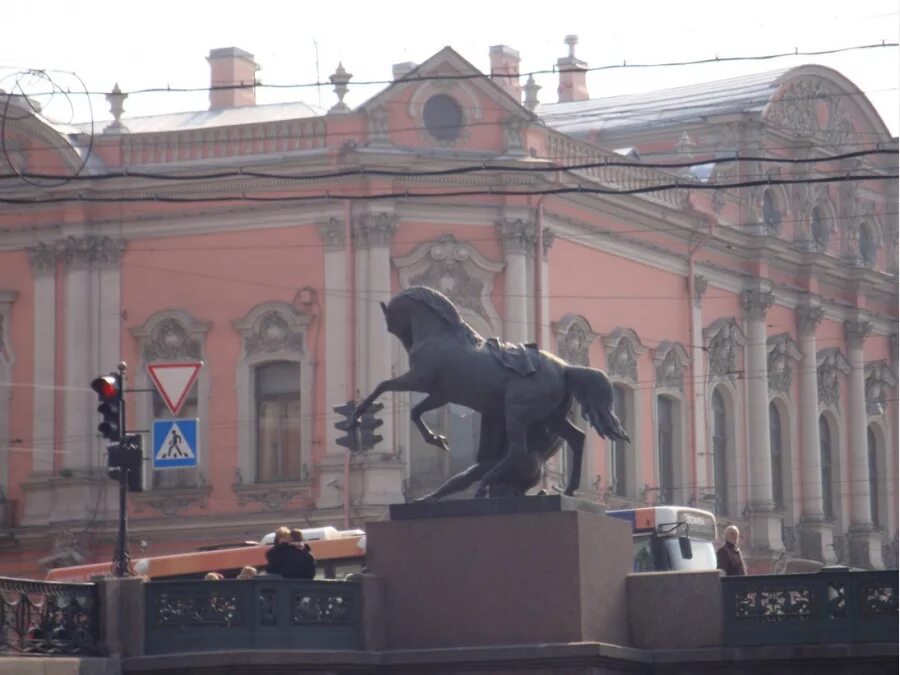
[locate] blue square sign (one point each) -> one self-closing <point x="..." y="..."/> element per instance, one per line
<point x="175" y="444"/>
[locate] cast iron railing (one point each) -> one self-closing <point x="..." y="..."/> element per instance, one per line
<point x="42" y="618"/>
<point x="264" y="613"/>
<point x="831" y="606"/>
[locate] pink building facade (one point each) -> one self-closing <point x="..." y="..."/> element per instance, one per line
<point x="750" y="330"/>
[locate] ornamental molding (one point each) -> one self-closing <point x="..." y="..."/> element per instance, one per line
<point x="171" y="502"/>
<point x="879" y="381"/>
<point x="808" y="318"/>
<point x="273" y="328"/>
<point x="171" y="335"/>
<point x="84" y="251"/>
<point x="333" y="234"/>
<point x="811" y="106"/>
<point x="670" y="361"/>
<point x="701" y="283"/>
<point x="722" y="338"/>
<point x="459" y="271"/>
<point x="757" y="303"/>
<point x="271" y="496"/>
<point x="574" y="337"/>
<point x="783" y="353"/>
<point x="374" y="229"/>
<point x="514" y="134"/>
<point x="90" y="251"/>
<point x="856" y="331"/>
<point x="518" y="235"/>
<point x="830" y="365"/>
<point x="377" y="119"/>
<point x="623" y="347"/>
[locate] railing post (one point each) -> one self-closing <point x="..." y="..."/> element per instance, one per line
<point x="121" y="616"/>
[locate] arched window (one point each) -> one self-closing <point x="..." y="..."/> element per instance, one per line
<point x="666" y="448"/>
<point x="868" y="244"/>
<point x="278" y="454"/>
<point x="820" y="229"/>
<point x="775" y="441"/>
<point x="873" y="475"/>
<point x="619" y="454"/>
<point x="771" y="212"/>
<point x="827" y="486"/>
<point x="720" y="452"/>
<point x="430" y="466"/>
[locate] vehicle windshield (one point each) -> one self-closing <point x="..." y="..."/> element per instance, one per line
<point x="643" y="554"/>
<point x="704" y="557"/>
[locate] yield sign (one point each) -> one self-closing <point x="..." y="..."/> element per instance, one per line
<point x="174" y="381"/>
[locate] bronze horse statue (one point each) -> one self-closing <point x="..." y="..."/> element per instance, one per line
<point x="524" y="394"/>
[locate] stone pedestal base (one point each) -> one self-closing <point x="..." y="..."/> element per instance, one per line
<point x="865" y="548"/>
<point x="817" y="541"/>
<point x="500" y="572"/>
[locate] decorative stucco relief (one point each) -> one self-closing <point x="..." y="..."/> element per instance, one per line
<point x="831" y="364"/>
<point x="783" y="354"/>
<point x="171" y="335"/>
<point x="811" y="107"/>
<point x="723" y="337"/>
<point x="458" y="271"/>
<point x="574" y="337"/>
<point x="671" y="360"/>
<point x="879" y="381"/>
<point x="623" y="347"/>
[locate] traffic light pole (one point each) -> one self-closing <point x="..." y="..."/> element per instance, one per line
<point x="120" y="556"/>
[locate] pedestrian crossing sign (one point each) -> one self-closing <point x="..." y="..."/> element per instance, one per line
<point x="175" y="444"/>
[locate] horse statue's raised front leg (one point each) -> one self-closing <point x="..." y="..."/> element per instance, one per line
<point x="409" y="381"/>
<point x="430" y="402"/>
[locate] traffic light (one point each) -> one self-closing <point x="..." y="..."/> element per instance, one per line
<point x="350" y="439"/>
<point x="109" y="392"/>
<point x="127" y="455"/>
<point x="368" y="423"/>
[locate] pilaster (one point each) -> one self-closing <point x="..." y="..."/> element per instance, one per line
<point x="864" y="540"/>
<point x="518" y="236"/>
<point x="43" y="265"/>
<point x="765" y="522"/>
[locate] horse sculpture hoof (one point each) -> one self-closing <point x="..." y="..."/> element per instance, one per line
<point x="440" y="442"/>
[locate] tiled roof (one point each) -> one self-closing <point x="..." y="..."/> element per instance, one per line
<point x="749" y="93"/>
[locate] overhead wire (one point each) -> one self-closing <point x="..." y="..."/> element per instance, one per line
<point x="415" y="77"/>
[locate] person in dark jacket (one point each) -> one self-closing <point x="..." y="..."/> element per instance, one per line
<point x="729" y="558"/>
<point x="290" y="559"/>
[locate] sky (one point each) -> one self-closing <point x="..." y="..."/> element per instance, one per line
<point x="165" y="43"/>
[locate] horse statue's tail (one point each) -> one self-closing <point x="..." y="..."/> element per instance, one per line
<point x="593" y="390"/>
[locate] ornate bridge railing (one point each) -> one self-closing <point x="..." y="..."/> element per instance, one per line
<point x="42" y="618"/>
<point x="836" y="606"/>
<point x="194" y="616"/>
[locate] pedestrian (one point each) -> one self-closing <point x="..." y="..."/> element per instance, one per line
<point x="248" y="572"/>
<point x="289" y="558"/>
<point x="728" y="557"/>
<point x="213" y="576"/>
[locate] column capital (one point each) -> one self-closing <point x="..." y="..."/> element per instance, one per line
<point x="856" y="331"/>
<point x="90" y="250"/>
<point x="42" y="257"/>
<point x="701" y="283"/>
<point x="808" y="318"/>
<point x="374" y="229"/>
<point x="333" y="234"/>
<point x="517" y="235"/>
<point x="757" y="303"/>
<point x="548" y="236"/>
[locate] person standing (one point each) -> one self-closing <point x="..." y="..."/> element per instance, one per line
<point x="290" y="558"/>
<point x="728" y="557"/>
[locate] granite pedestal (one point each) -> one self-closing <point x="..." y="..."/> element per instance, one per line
<point x="520" y="570"/>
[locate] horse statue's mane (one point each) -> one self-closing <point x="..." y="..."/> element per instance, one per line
<point x="438" y="303"/>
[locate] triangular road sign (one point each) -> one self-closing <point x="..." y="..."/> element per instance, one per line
<point x="174" y="381"/>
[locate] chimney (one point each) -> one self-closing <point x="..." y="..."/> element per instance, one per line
<point x="230" y="66"/>
<point x="401" y="70"/>
<point x="572" y="75"/>
<point x="505" y="62"/>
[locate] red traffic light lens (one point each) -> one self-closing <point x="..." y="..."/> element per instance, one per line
<point x="106" y="387"/>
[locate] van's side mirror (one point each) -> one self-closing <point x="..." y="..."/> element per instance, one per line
<point x="684" y="543"/>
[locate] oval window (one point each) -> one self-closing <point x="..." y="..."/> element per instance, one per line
<point x="443" y="117"/>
